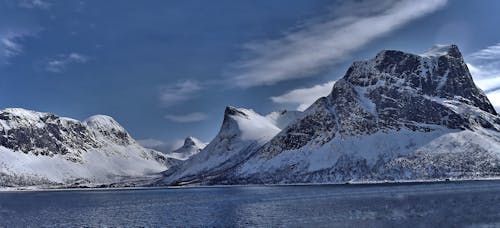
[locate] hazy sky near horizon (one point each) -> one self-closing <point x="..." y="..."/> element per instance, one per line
<point x="166" y="69"/>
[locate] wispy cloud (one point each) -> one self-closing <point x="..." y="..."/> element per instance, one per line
<point x="486" y="75"/>
<point x="150" y="143"/>
<point x="161" y="145"/>
<point x="304" y="97"/>
<point x="484" y="66"/>
<point x="315" y="45"/>
<point x="34" y="4"/>
<point x="489" y="53"/>
<point x="61" y="62"/>
<point x="10" y="44"/>
<point x="179" y="92"/>
<point x="187" y="118"/>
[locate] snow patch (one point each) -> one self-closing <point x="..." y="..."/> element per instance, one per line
<point x="437" y="51"/>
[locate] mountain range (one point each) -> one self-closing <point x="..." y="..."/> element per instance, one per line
<point x="396" y="117"/>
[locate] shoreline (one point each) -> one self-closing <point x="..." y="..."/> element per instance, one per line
<point x="353" y="183"/>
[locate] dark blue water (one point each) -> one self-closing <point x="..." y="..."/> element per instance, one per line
<point x="410" y="205"/>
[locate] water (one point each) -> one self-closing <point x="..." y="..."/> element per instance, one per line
<point x="408" y="205"/>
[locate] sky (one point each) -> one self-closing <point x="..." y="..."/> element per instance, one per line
<point x="166" y="69"/>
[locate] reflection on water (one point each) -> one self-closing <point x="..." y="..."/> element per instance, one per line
<point x="415" y="205"/>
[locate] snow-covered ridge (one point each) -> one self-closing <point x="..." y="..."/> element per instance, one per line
<point x="37" y="147"/>
<point x="242" y="131"/>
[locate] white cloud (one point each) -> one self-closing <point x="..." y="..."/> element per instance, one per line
<point x="150" y="143"/>
<point x="187" y="118"/>
<point x="494" y="98"/>
<point x="485" y="76"/>
<point x="489" y="53"/>
<point x="34" y="4"/>
<point x="161" y="145"/>
<point x="176" y="93"/>
<point x="484" y="66"/>
<point x="60" y="63"/>
<point x="315" y="45"/>
<point x="10" y="45"/>
<point x="304" y="97"/>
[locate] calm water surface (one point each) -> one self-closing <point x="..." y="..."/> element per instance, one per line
<point x="463" y="204"/>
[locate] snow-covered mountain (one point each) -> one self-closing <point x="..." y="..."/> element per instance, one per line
<point x="398" y="116"/>
<point x="190" y="147"/>
<point x="41" y="148"/>
<point x="241" y="133"/>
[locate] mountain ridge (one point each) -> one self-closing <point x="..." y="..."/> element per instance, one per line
<point x="397" y="116"/>
<point x="40" y="148"/>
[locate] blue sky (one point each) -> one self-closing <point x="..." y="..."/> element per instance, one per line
<point x="166" y="69"/>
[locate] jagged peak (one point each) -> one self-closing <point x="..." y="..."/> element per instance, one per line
<point x="440" y="72"/>
<point x="232" y="111"/>
<point x="437" y="50"/>
<point x="193" y="142"/>
<point x="382" y="55"/>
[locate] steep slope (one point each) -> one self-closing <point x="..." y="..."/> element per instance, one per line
<point x="42" y="148"/>
<point x="241" y="133"/>
<point x="191" y="146"/>
<point x="398" y="116"/>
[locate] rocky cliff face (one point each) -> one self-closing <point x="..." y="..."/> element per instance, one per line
<point x="44" y="134"/>
<point x="40" y="146"/>
<point x="397" y="116"/>
<point x="392" y="91"/>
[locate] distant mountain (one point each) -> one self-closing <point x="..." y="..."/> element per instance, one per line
<point x="41" y="148"/>
<point x="398" y="116"/>
<point x="190" y="147"/>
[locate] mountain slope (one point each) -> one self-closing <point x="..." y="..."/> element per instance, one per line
<point x="398" y="116"/>
<point x="42" y="148"/>
<point x="241" y="133"/>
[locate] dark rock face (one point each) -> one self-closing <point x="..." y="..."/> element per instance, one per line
<point x="47" y="134"/>
<point x="392" y="91"/>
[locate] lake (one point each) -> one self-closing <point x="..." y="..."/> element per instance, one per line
<point x="472" y="203"/>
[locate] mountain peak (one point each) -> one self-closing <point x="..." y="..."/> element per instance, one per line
<point x="232" y="111"/>
<point x="441" y="72"/>
<point x="440" y="50"/>
<point x="109" y="127"/>
<point x="103" y="122"/>
<point x="192" y="141"/>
